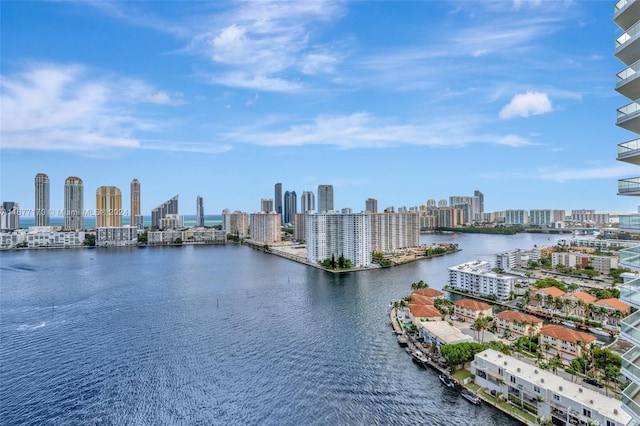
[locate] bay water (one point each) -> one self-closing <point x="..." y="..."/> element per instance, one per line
<point x="219" y="335"/>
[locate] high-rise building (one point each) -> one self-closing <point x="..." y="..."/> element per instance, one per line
<point x="308" y="201"/>
<point x="393" y="231"/>
<point x="265" y="227"/>
<point x="480" y="196"/>
<point x="334" y="234"/>
<point x="199" y="211"/>
<point x="516" y="217"/>
<point x="168" y="207"/>
<point x="325" y="198"/>
<point x="236" y="223"/>
<point x="371" y="205"/>
<point x="135" y="204"/>
<point x="266" y="205"/>
<point x="627" y="17"/>
<point x="277" y="204"/>
<point x="42" y="200"/>
<point x="108" y="207"/>
<point x="9" y="216"/>
<point x="73" y="204"/>
<point x="290" y="206"/>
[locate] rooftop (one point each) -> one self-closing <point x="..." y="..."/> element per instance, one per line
<point x="518" y="316"/>
<point x="472" y="304"/>
<point x="445" y="332"/>
<point x="609" y="407"/>
<point x="613" y="304"/>
<point x="566" y="334"/>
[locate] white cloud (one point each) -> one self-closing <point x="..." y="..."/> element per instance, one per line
<point x="261" y="42"/>
<point x="53" y="107"/>
<point x="363" y="130"/>
<point x="526" y="104"/>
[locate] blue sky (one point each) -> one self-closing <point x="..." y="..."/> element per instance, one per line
<point x="401" y="101"/>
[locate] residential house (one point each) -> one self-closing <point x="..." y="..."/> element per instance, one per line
<point x="471" y="310"/>
<point x="419" y="313"/>
<point x="430" y="292"/>
<point x="439" y="333"/>
<point x="576" y="304"/>
<point x="545" y="297"/>
<point x="512" y="323"/>
<point x="609" y="312"/>
<point x="563" y="341"/>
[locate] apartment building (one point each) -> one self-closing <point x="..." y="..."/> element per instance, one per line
<point x="546" y="396"/>
<point x="517" y="324"/>
<point x="563" y="341"/>
<point x="471" y="310"/>
<point x="476" y="277"/>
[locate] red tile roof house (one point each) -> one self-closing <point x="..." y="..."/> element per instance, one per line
<point x="419" y="313"/>
<point x="545" y="297"/>
<point x="609" y="312"/>
<point x="471" y="309"/>
<point x="575" y="304"/>
<point x="430" y="292"/>
<point x="563" y="341"/>
<point x="512" y="323"/>
<point x="418" y="299"/>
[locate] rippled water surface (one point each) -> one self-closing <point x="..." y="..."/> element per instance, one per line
<point x="217" y="335"/>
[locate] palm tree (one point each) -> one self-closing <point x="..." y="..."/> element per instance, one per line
<point x="567" y="305"/>
<point x="547" y="347"/>
<point x="610" y="373"/>
<point x="481" y="324"/>
<point x="539" y="298"/>
<point x="555" y="363"/>
<point x="526" y="299"/>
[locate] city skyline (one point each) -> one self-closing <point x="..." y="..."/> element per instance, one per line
<point x="514" y="98"/>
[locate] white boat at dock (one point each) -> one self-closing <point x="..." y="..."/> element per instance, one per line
<point x="470" y="396"/>
<point x="598" y="331"/>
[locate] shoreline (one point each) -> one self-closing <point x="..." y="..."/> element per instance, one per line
<point x="279" y="250"/>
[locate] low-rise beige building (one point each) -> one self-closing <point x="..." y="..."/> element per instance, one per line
<point x="563" y="341"/>
<point x="471" y="310"/>
<point x="512" y="323"/>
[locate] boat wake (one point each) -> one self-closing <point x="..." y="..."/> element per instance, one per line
<point x="27" y="327"/>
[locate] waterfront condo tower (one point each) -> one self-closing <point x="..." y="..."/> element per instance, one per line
<point x="334" y="234"/>
<point x="626" y="15"/>
<point x="73" y="204"/>
<point x="325" y="198"/>
<point x="9" y="216"/>
<point x="108" y="207"/>
<point x="168" y="207"/>
<point x="41" y="212"/>
<point x="371" y="205"/>
<point x="308" y="201"/>
<point x="135" y="203"/>
<point x="266" y="205"/>
<point x="290" y="206"/>
<point x="199" y="211"/>
<point x="277" y="197"/>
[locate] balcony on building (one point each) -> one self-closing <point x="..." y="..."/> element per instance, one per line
<point x="629" y="186"/>
<point x="625" y="13"/>
<point x="630" y="223"/>
<point x="628" y="117"/>
<point x="629" y="152"/>
<point x="628" y="45"/>
<point x="628" y="81"/>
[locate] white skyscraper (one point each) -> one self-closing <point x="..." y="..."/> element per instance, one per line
<point x="334" y="234"/>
